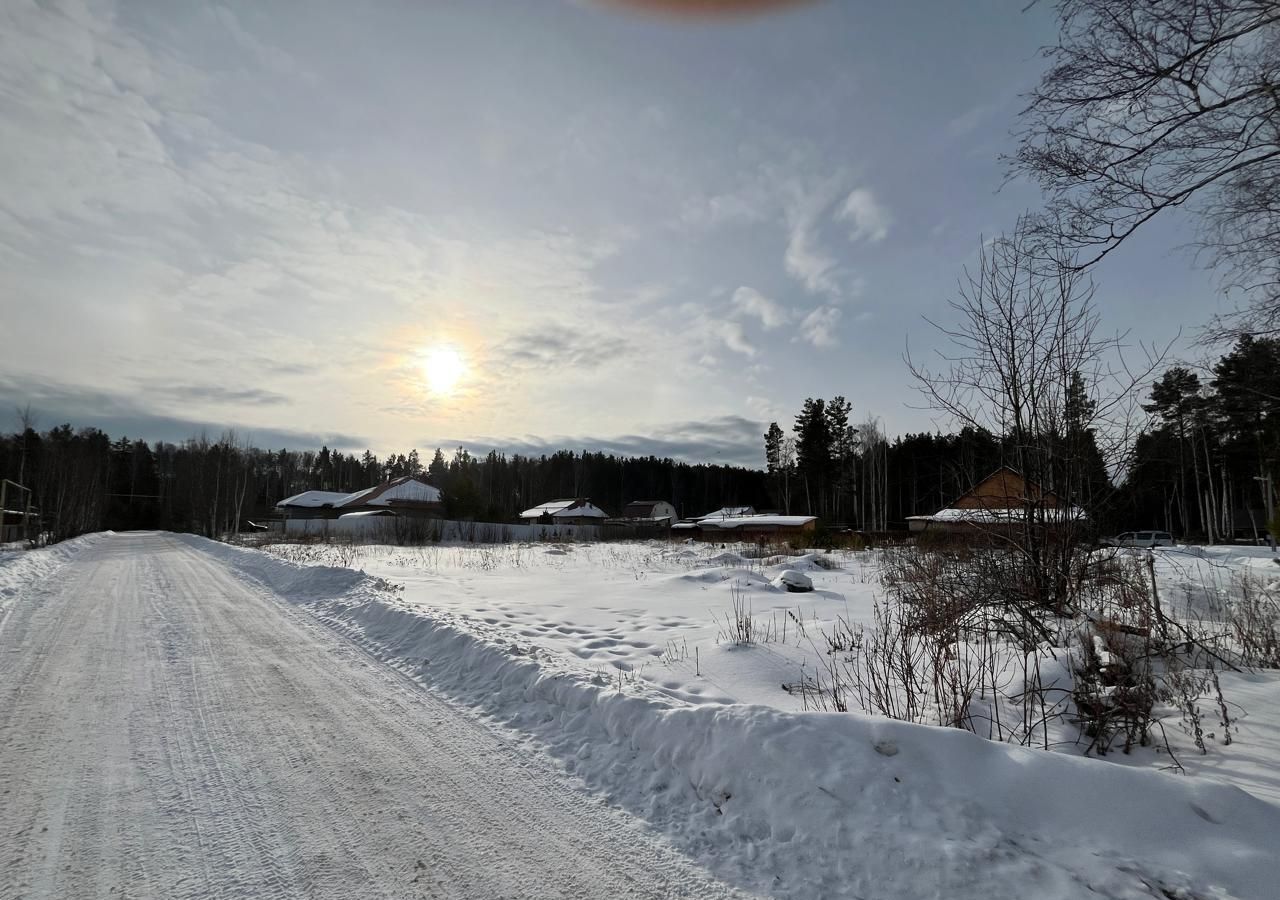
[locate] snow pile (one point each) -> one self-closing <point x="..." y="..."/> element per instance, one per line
<point x="814" y="804"/>
<point x="19" y="569"/>
<point x="794" y="581"/>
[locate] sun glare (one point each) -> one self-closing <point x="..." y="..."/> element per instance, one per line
<point x="443" y="367"/>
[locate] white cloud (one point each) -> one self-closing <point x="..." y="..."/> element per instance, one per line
<point x="810" y="207"/>
<point x="808" y="262"/>
<point x="870" y="220"/>
<point x="735" y="338"/>
<point x="750" y="302"/>
<point x="818" y="327"/>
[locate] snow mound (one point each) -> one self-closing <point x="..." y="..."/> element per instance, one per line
<point x="796" y="582"/>
<point x="746" y="579"/>
<point x="820" y="804"/>
<point x="728" y="558"/>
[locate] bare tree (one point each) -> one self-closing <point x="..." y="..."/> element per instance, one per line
<point x="1029" y="363"/>
<point x="1148" y="105"/>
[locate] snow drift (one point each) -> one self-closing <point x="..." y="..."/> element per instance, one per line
<point x="819" y="804"/>
<point x="20" y="569"/>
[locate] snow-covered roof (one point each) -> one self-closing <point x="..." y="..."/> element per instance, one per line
<point x="313" y="499"/>
<point x="360" y="514"/>
<point x="728" y="512"/>
<point x="999" y="515"/>
<point x="739" y="521"/>
<point x="405" y="489"/>
<point x="566" y="509"/>
<point x="547" y="509"/>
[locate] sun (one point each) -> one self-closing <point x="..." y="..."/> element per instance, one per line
<point x="443" y="368"/>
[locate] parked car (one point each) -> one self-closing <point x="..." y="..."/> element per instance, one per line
<point x="1140" y="539"/>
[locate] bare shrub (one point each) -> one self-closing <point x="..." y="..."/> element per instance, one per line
<point x="740" y="625"/>
<point x="1254" y="620"/>
<point x="953" y="642"/>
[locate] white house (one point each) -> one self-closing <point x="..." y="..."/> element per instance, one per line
<point x="406" y="495"/>
<point x="566" y="512"/>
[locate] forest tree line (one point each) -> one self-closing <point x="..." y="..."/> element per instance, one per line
<point x="1204" y="465"/>
<point x="1199" y="469"/>
<point x="82" y="480"/>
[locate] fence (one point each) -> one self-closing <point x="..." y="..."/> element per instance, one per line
<point x="403" y="530"/>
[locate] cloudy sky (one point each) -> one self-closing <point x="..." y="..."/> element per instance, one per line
<point x="520" y="224"/>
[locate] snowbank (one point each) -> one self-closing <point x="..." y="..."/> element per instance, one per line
<point x="814" y="804"/>
<point x="19" y="569"/>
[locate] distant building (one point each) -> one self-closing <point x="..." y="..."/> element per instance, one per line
<point x="580" y="511"/>
<point x="1000" y="502"/>
<point x="729" y="512"/>
<point x="404" y="496"/>
<point x="311" y="505"/>
<point x="650" y="511"/>
<point x="751" y="527"/>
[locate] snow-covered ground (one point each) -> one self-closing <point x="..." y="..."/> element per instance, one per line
<point x="614" y="663"/>
<point x="619" y="660"/>
<point x="663" y="615"/>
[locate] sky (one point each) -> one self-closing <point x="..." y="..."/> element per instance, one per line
<point x="509" y="225"/>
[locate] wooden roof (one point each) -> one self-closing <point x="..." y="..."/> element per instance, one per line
<point x="1004" y="489"/>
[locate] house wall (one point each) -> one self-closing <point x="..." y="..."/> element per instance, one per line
<point x="1001" y="490"/>
<point x="405" y="510"/>
<point x="308" y="512"/>
<point x="750" y="532"/>
<point x="591" y="521"/>
<point x="664" y="510"/>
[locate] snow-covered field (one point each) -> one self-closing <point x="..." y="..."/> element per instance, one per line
<point x="620" y="660"/>
<point x="633" y="612"/>
<point x="663" y="616"/>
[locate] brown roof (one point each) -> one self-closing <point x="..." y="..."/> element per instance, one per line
<point x="1003" y="489"/>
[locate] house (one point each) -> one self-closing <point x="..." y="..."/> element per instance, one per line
<point x="753" y="527"/>
<point x="650" y="511"/>
<point x="580" y="511"/>
<point x="1001" y="502"/>
<point x="405" y="496"/>
<point x="311" y="505"/>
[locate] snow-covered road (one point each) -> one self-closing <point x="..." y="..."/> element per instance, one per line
<point x="167" y="731"/>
